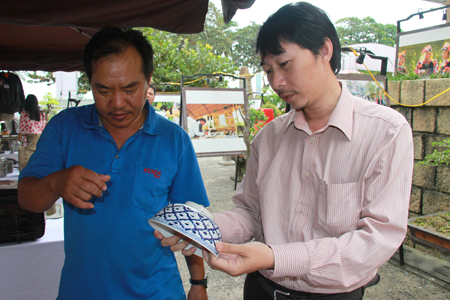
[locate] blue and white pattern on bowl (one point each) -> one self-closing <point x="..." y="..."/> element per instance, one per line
<point x="191" y="223"/>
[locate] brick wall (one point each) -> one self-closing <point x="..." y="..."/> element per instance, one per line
<point x="431" y="185"/>
<point x="431" y="122"/>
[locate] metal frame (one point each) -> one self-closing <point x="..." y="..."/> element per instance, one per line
<point x="183" y="116"/>
<point x="417" y="14"/>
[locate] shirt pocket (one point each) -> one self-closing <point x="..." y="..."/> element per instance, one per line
<point x="339" y="207"/>
<point x="151" y="187"/>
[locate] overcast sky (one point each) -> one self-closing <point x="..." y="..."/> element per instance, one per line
<point x="383" y="11"/>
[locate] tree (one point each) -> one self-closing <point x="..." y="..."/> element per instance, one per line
<point x="228" y="40"/>
<point x="41" y="77"/>
<point x="51" y="104"/>
<point x="216" y="33"/>
<point x="353" y="30"/>
<point x="175" y="55"/>
<point x="244" y="47"/>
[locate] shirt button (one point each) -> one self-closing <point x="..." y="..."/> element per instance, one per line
<point x="306" y="174"/>
<point x="301" y="209"/>
<point x="117" y="156"/>
<point x="286" y="279"/>
<point x="312" y="140"/>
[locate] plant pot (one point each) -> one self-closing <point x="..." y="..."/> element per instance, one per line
<point x="428" y="237"/>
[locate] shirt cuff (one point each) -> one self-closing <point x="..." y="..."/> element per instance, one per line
<point x="221" y="221"/>
<point x="290" y="260"/>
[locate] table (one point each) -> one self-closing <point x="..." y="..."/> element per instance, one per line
<point x="10" y="181"/>
<point x="32" y="270"/>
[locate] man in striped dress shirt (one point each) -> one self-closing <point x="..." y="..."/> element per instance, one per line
<point x="324" y="202"/>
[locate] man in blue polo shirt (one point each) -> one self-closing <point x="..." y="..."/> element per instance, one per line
<point x="115" y="164"/>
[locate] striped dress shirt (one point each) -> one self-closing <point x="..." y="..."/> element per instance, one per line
<point x="333" y="204"/>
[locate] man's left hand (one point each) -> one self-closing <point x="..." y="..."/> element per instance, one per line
<point x="197" y="292"/>
<point x="236" y="260"/>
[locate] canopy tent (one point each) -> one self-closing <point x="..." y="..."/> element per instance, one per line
<point x="50" y="35"/>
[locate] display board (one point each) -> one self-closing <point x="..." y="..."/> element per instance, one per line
<point x="424" y="52"/>
<point x="168" y="105"/>
<point x="213" y="118"/>
<point x="365" y="87"/>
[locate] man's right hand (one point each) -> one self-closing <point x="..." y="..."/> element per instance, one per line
<point x="187" y="249"/>
<point x="77" y="185"/>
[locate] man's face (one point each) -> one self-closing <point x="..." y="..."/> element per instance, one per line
<point x="295" y="75"/>
<point x="150" y="95"/>
<point x="444" y="54"/>
<point x="119" y="87"/>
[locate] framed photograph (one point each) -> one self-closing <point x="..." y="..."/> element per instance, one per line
<point x="213" y="118"/>
<point x="365" y="87"/>
<point x="424" y="51"/>
<point x="168" y="105"/>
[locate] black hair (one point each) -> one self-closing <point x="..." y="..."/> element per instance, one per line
<point x="151" y="86"/>
<point x="303" y="24"/>
<point x="32" y="108"/>
<point x="114" y="41"/>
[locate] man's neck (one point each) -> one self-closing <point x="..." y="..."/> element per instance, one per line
<point x="121" y="135"/>
<point x="318" y="116"/>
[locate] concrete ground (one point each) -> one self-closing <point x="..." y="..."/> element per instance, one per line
<point x="397" y="283"/>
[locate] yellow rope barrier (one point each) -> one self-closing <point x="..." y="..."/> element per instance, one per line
<point x="417" y="105"/>
<point x="214" y="73"/>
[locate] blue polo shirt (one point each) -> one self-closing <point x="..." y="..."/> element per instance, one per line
<point x="111" y="252"/>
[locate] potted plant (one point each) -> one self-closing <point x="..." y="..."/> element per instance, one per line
<point x="431" y="230"/>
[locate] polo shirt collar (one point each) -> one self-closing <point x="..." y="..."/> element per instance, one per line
<point x="341" y="117"/>
<point x="91" y="120"/>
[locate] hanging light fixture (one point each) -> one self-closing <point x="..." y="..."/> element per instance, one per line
<point x="362" y="55"/>
<point x="420" y="14"/>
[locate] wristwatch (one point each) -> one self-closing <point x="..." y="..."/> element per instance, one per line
<point x="203" y="282"/>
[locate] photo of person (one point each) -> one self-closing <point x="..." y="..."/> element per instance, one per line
<point x="426" y="64"/>
<point x="196" y="128"/>
<point x="401" y="66"/>
<point x="423" y="52"/>
<point x="167" y="105"/>
<point x="213" y="120"/>
<point x="444" y="66"/>
<point x="366" y="89"/>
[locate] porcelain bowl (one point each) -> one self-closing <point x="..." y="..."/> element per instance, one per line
<point x="193" y="224"/>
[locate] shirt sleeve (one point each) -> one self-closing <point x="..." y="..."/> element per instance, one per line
<point x="380" y="230"/>
<point x="22" y="122"/>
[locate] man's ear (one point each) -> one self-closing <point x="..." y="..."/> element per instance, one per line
<point x="327" y="51"/>
<point x="149" y="79"/>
